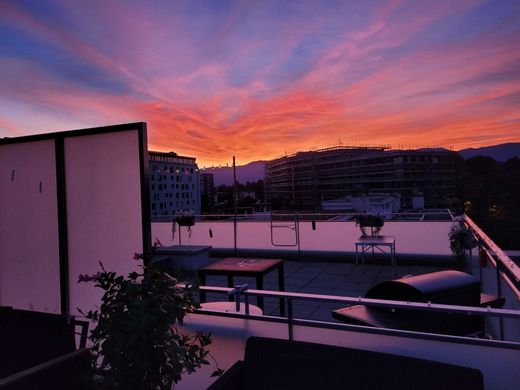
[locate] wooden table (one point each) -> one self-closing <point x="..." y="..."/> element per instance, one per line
<point x="237" y="266"/>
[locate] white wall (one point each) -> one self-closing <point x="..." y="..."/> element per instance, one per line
<point x="416" y="237"/>
<point x="103" y="208"/>
<point x="29" y="252"/>
<point x="104" y="216"/>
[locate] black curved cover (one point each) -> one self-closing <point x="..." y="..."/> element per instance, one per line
<point x="447" y="287"/>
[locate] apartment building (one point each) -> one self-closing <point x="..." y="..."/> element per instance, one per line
<point x="305" y="179"/>
<point x="174" y="185"/>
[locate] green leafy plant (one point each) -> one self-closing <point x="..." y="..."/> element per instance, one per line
<point x="374" y="222"/>
<point x="136" y="343"/>
<point x="461" y="239"/>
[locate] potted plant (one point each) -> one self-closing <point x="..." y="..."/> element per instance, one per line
<point x="461" y="239"/>
<point x="372" y="221"/>
<point x="183" y="218"/>
<point x="136" y="343"/>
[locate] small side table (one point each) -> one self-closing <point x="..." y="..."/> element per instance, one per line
<point x="237" y="266"/>
<point x="365" y="243"/>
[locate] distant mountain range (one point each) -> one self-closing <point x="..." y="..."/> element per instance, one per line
<point x="501" y="152"/>
<point x="252" y="172"/>
<point x="255" y="170"/>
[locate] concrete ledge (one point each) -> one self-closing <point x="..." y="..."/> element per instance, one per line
<point x="182" y="257"/>
<point x="348" y="257"/>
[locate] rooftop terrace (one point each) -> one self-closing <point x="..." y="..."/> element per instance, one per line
<point x="55" y="227"/>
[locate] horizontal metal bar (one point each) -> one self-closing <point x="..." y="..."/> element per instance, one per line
<point x="369" y="329"/>
<point x="436" y="307"/>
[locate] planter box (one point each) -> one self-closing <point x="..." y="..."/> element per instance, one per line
<point x="370" y="221"/>
<point x="185" y="221"/>
<point x="186" y="257"/>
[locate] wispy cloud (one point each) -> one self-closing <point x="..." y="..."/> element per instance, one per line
<point x="256" y="79"/>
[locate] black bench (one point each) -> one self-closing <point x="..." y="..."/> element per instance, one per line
<point x="283" y="364"/>
<point x="38" y="350"/>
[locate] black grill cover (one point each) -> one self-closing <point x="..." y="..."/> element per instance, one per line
<point x="445" y="287"/>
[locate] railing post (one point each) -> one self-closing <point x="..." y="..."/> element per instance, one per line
<point x="499" y="293"/>
<point x="297" y="216"/>
<point x="235" y="204"/>
<point x="290" y="318"/>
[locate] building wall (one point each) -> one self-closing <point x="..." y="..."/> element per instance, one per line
<point x="305" y="179"/>
<point x="207" y="185"/>
<point x="174" y="185"/>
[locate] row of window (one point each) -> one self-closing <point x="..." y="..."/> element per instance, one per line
<point x="171" y="159"/>
<point x="177" y="177"/>
<point x="161" y="187"/>
<point x="171" y="169"/>
<point x="164" y="205"/>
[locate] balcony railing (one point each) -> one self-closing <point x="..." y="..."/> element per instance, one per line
<point x="497" y="358"/>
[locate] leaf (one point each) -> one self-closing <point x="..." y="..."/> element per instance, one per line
<point x="217" y="372"/>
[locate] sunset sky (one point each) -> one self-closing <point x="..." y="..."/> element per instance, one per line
<point x="257" y="79"/>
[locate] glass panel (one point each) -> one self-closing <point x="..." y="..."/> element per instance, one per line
<point x="29" y="249"/>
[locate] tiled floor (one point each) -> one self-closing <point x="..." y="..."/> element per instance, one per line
<point x="344" y="279"/>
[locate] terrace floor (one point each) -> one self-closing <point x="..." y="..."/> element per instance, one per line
<point x="327" y="278"/>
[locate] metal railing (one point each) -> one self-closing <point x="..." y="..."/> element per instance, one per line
<point x="505" y="267"/>
<point x="290" y="297"/>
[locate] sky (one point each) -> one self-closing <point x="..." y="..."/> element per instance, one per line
<point x="258" y="79"/>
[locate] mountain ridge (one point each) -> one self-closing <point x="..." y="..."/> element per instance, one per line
<point x="252" y="172"/>
<point x="500" y="152"/>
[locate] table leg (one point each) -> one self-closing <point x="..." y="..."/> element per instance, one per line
<point x="202" y="279"/>
<point x="260" y="286"/>
<point x="281" y="287"/>
<point x="230" y="284"/>
<point x="394" y="261"/>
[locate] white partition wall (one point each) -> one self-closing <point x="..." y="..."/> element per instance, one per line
<point x="29" y="243"/>
<point x="67" y="201"/>
<point x="104" y="211"/>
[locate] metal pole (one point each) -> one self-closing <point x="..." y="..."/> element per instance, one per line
<point x="235" y="199"/>
<point x="499" y="293"/>
<point x="290" y="318"/>
<point x="298" y="234"/>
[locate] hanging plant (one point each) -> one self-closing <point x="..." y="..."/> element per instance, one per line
<point x="461" y="239"/>
<point x="374" y="222"/>
<point x="183" y="218"/>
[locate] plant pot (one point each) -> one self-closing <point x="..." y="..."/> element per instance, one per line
<point x="468" y="241"/>
<point x="185" y="221"/>
<point x="370" y="221"/>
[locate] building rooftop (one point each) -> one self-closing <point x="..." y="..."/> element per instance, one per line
<point x="73" y="223"/>
<point x="323" y="277"/>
